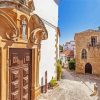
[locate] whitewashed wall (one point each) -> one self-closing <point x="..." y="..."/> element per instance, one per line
<point x="58" y="46"/>
<point x="48" y="10"/>
<point x="47" y="62"/>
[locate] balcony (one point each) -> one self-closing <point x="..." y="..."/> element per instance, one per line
<point x="23" y="5"/>
<point x="89" y="44"/>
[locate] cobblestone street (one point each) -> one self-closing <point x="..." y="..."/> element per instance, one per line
<point x="74" y="87"/>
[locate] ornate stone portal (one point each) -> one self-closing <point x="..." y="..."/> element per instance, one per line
<point x="10" y="31"/>
<point x="37" y="34"/>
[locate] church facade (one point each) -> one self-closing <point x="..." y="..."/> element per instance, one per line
<point x="29" y="47"/>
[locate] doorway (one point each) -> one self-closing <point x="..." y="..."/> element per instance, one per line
<point x="20" y="64"/>
<point x="88" y="68"/>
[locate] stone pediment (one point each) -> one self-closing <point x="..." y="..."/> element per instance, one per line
<point x="38" y="31"/>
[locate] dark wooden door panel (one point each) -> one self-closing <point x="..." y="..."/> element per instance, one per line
<point x="25" y="84"/>
<point x="20" y="74"/>
<point x="14" y="84"/>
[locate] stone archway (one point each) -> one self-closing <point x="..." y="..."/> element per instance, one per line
<point x="88" y="68"/>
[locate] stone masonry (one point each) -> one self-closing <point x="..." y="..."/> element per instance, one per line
<point x="83" y="41"/>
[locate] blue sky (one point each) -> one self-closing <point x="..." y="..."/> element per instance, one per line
<point x="76" y="16"/>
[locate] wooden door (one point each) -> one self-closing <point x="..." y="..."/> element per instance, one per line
<point x="88" y="68"/>
<point x="20" y="74"/>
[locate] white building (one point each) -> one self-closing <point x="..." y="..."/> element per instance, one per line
<point x="48" y="12"/>
<point x="63" y="57"/>
<point x="69" y="45"/>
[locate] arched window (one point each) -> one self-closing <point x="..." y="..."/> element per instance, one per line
<point x="84" y="54"/>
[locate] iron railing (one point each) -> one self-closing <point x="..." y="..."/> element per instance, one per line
<point x="89" y="44"/>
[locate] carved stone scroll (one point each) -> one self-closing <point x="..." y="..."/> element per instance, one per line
<point x="36" y="36"/>
<point x="13" y="33"/>
<point x="39" y="31"/>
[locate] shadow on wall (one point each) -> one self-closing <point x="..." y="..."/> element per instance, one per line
<point x="44" y="88"/>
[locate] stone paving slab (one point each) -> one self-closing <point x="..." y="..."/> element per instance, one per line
<point x="72" y="88"/>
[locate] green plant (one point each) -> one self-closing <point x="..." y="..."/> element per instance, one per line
<point x="68" y="59"/>
<point x="60" y="62"/>
<point x="53" y="82"/>
<point x="71" y="64"/>
<point x="59" y="69"/>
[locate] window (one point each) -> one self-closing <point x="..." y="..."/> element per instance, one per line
<point x="84" y="54"/>
<point x="93" y="40"/>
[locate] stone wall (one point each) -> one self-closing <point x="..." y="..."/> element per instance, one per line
<point x="93" y="53"/>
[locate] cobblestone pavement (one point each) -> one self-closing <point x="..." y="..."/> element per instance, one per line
<point x="73" y="87"/>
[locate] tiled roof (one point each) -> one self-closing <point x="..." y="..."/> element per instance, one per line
<point x="68" y="53"/>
